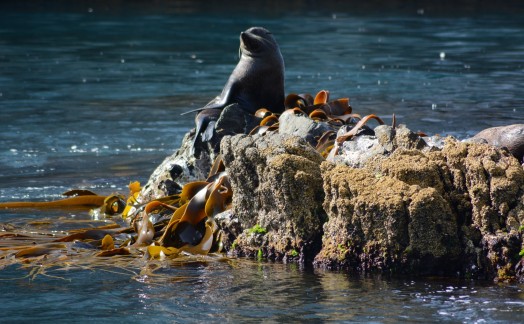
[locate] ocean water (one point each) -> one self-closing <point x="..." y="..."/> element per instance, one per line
<point x="91" y="95"/>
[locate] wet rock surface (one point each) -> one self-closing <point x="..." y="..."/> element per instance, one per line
<point x="389" y="202"/>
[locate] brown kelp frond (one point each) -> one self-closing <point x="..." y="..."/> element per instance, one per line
<point x="191" y="227"/>
<point x="318" y="114"/>
<point x="114" y="204"/>
<point x="263" y="113"/>
<point x="261" y="130"/>
<point x="298" y="100"/>
<point x="217" y="167"/>
<point x="134" y="191"/>
<point x="269" y="120"/>
<point x="165" y="228"/>
<point x="318" y="108"/>
<point x="159" y="229"/>
<point x="344" y="137"/>
<point x="325" y="142"/>
<point x="84" y="201"/>
<point x="322" y="97"/>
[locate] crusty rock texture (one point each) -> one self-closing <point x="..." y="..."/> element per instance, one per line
<point x="389" y="201"/>
<point x="176" y="170"/>
<point x="457" y="210"/>
<point x="277" y="194"/>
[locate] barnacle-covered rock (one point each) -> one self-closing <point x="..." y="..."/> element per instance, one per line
<point x="377" y="222"/>
<point x="277" y="194"/>
<point x="458" y="209"/>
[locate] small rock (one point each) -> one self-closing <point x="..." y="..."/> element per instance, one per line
<point x="511" y="137"/>
<point x="303" y="127"/>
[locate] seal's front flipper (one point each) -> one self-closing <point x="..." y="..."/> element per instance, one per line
<point x="205" y="122"/>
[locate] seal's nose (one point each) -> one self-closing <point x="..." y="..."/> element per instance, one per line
<point x="244" y="37"/>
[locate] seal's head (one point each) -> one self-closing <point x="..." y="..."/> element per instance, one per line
<point x="257" y="41"/>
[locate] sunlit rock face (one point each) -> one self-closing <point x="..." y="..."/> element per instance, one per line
<point x="454" y="210"/>
<point x="277" y="187"/>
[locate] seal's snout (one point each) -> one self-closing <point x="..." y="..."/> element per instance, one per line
<point x="245" y="37"/>
<point x="249" y="41"/>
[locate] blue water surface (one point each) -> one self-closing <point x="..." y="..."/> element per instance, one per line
<point x="91" y="95"/>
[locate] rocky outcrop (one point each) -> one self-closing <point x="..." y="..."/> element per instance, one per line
<point x="176" y="170"/>
<point x="389" y="201"/>
<point x="303" y="127"/>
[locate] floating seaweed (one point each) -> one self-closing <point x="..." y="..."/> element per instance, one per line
<point x="176" y="226"/>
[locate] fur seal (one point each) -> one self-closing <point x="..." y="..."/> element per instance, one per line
<point x="258" y="79"/>
<point x="256" y="82"/>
